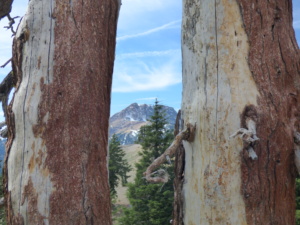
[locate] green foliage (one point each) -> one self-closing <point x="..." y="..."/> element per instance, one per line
<point x="2" y="210"/>
<point x="151" y="203"/>
<point x="118" y="165"/>
<point x="117" y="212"/>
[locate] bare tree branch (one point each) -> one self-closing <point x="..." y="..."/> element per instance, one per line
<point x="187" y="135"/>
<point x="8" y="61"/>
<point x="11" y="23"/>
<point x="5" y="88"/>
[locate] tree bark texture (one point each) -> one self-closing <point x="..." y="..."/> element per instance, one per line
<point x="240" y="62"/>
<point x="179" y="176"/>
<point x="56" y="162"/>
<point x="178" y="184"/>
<point x="268" y="185"/>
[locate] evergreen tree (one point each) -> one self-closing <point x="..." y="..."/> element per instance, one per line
<point x="118" y="165"/>
<point x="151" y="203"/>
<point x="2" y="210"/>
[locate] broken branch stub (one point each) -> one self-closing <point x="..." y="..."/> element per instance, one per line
<point x="252" y="153"/>
<point x="188" y="135"/>
<point x="249" y="134"/>
<point x="249" y="137"/>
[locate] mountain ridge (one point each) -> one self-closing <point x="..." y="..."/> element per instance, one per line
<point x="126" y="123"/>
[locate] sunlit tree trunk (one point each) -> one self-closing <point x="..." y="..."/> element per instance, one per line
<point x="241" y="68"/>
<point x="56" y="163"/>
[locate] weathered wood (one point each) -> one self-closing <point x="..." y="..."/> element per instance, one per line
<point x="217" y="86"/>
<point x="240" y="60"/>
<point x="5" y="88"/>
<point x="178" y="209"/>
<point x="56" y="163"/>
<point x="179" y="177"/>
<point x="163" y="177"/>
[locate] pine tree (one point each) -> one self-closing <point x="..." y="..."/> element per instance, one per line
<point x="118" y="165"/>
<point x="2" y="210"/>
<point x="151" y="203"/>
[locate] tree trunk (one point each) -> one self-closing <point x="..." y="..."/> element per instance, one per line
<point x="56" y="162"/>
<point x="241" y="67"/>
<point x="5" y="7"/>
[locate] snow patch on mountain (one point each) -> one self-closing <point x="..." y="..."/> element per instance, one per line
<point x="126" y="124"/>
<point x="134" y="132"/>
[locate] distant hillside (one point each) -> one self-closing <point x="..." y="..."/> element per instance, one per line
<point x="132" y="156"/>
<point x="127" y="123"/>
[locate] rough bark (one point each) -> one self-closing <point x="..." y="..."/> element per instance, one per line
<point x="274" y="60"/>
<point x="178" y="185"/>
<point x="56" y="162"/>
<point x="179" y="177"/>
<point x="240" y="63"/>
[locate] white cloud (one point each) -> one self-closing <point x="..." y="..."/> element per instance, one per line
<point x="141" y="76"/>
<point x="148" y="54"/>
<point x="173" y="24"/>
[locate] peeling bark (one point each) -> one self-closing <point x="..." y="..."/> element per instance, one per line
<point x="236" y="54"/>
<point x="56" y="162"/>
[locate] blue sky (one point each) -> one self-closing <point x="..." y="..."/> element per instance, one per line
<point x="148" y="55"/>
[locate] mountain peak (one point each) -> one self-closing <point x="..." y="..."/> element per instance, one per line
<point x="134" y="112"/>
<point x="127" y="123"/>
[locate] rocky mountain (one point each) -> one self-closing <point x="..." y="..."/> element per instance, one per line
<point x="127" y="123"/>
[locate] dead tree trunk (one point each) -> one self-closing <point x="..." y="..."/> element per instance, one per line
<point x="241" y="67"/>
<point x="56" y="165"/>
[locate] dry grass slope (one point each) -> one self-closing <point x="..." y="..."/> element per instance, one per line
<point x="132" y="157"/>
